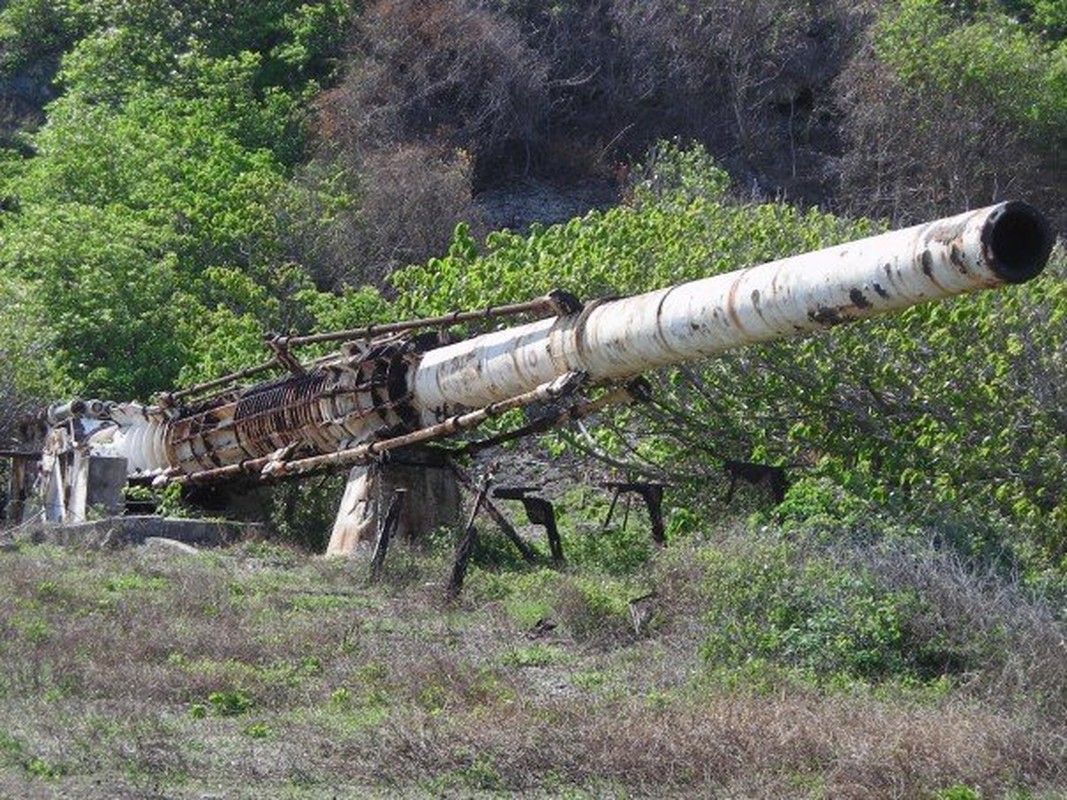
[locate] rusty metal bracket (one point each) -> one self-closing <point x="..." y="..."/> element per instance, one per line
<point x="279" y="345"/>
<point x="385" y="534"/>
<point x="465" y="548"/>
<point x="170" y="399"/>
<point x="652" y="494"/>
<point x="497" y="516"/>
<point x="564" y="303"/>
<point x="552" y="303"/>
<point x="773" y="478"/>
<point x="640" y="389"/>
<point x="540" y="512"/>
<point x="575" y="411"/>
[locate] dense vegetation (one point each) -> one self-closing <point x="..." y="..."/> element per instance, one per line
<point x="241" y="164"/>
<point x="177" y="178"/>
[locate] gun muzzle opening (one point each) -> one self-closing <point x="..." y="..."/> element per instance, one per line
<point x="1018" y="241"/>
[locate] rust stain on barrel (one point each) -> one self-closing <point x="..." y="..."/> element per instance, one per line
<point x="756" y="304"/>
<point x="826" y="316"/>
<point x="928" y="268"/>
<point x="958" y="258"/>
<point x="928" y="264"/>
<point x="731" y="304"/>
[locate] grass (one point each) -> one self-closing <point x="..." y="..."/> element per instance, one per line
<point x="260" y="671"/>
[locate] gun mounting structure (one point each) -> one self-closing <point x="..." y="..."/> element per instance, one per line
<point x="397" y="387"/>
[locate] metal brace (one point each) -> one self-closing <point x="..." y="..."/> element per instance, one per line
<point x="279" y="345"/>
<point x="652" y="494"/>
<point x="540" y="512"/>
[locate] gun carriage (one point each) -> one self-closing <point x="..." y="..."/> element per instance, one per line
<point x="391" y="389"/>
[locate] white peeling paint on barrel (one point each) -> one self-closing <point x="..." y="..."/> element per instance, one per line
<point x="1006" y="243"/>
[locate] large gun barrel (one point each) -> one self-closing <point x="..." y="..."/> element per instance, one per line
<point x="397" y="387"/>
<point x="1006" y="243"/>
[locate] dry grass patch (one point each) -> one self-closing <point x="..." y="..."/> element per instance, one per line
<point x="728" y="746"/>
<point x="242" y="674"/>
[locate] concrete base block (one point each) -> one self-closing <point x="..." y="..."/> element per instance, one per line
<point x="431" y="499"/>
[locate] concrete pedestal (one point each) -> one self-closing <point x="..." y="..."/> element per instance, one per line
<point x="431" y="500"/>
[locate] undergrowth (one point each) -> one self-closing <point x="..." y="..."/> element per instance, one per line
<point x="751" y="660"/>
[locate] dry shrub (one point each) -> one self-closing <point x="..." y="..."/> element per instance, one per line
<point x="750" y="79"/>
<point x="597" y="82"/>
<point x="414" y="197"/>
<point x="1001" y="644"/>
<point x="679" y="578"/>
<point x="717" y="64"/>
<point x="916" y="154"/>
<point x="734" y="746"/>
<point x="394" y="695"/>
<point x="403" y="203"/>
<point x="449" y="69"/>
<point x="594" y="611"/>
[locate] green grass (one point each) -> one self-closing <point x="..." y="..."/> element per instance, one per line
<point x="246" y="674"/>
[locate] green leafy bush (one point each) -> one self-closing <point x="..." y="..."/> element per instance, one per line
<point x="986" y="52"/>
<point x="32" y="31"/>
<point x="590" y="607"/>
<point x="883" y="604"/>
<point x="230" y="702"/>
<point x="774" y="602"/>
<point x="595" y="609"/>
<point x="615" y="550"/>
<point x="143" y="230"/>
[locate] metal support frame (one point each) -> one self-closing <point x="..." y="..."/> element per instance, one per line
<point x="465" y="548"/>
<point x="22" y="474"/>
<point x="540" y="512"/>
<point x="495" y="514"/>
<point x="385" y="533"/>
<point x="652" y="494"/>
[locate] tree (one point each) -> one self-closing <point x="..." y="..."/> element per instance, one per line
<point x="100" y="287"/>
<point x="154" y="182"/>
